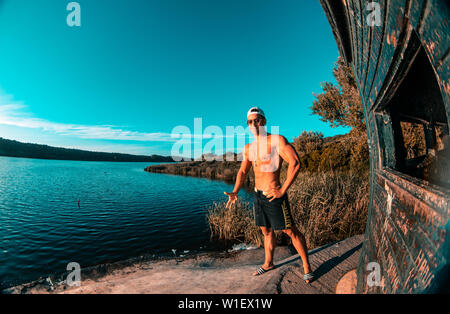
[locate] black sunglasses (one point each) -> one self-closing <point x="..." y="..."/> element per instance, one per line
<point x="254" y="121"/>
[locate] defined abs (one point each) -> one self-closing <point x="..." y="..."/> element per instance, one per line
<point x="266" y="181"/>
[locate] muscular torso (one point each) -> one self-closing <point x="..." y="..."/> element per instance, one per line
<point x="266" y="162"/>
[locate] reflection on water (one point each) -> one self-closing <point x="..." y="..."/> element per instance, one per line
<point x="56" y="212"/>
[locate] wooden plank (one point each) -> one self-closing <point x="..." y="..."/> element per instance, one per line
<point x="416" y="12"/>
<point x="359" y="20"/>
<point x="434" y="30"/>
<point x="365" y="49"/>
<point x="392" y="50"/>
<point x="432" y="195"/>
<point x="377" y="46"/>
<point x="353" y="30"/>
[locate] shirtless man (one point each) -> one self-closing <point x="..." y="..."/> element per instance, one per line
<point x="272" y="211"/>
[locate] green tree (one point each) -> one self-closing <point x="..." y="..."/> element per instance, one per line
<point x="340" y="105"/>
<point x="308" y="142"/>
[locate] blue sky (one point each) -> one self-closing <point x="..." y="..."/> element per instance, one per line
<point x="136" y="69"/>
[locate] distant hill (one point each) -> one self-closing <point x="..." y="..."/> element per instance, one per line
<point x="11" y="148"/>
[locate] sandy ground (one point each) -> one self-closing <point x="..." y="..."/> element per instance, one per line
<point x="220" y="273"/>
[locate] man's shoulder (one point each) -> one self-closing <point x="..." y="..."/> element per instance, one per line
<point x="280" y="138"/>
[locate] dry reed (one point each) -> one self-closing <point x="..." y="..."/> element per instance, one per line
<point x="326" y="207"/>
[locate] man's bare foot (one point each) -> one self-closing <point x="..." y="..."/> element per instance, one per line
<point x="264" y="268"/>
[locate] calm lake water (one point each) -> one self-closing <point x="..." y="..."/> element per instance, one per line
<point x="124" y="212"/>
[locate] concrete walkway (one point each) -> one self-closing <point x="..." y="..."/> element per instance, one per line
<point x="225" y="273"/>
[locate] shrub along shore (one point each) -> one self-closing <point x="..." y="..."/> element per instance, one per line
<point x="218" y="170"/>
<point x="326" y="207"/>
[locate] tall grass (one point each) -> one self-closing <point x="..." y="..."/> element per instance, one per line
<point x="326" y="207"/>
<point x="235" y="224"/>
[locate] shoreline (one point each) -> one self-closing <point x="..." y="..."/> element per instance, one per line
<point x="225" y="171"/>
<point x="55" y="281"/>
<point x="92" y="272"/>
<point x="213" y="273"/>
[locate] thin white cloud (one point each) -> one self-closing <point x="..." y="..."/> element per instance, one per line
<point x="14" y="114"/>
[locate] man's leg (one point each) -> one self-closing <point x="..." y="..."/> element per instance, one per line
<point x="269" y="247"/>
<point x="299" y="242"/>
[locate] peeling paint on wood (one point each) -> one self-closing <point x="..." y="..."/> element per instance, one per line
<point x="408" y="231"/>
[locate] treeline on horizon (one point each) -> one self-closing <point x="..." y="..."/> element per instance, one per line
<point x="12" y="148"/>
<point x="340" y="153"/>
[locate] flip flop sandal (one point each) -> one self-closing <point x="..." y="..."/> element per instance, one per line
<point x="261" y="271"/>
<point x="308" y="276"/>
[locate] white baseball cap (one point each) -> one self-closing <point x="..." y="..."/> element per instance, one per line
<point x="256" y="110"/>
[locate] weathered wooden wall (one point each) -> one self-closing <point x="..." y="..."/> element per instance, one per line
<point x="408" y="228"/>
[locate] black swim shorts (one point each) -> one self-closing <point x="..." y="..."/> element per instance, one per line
<point x="275" y="214"/>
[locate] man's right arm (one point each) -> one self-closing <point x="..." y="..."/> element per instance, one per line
<point x="243" y="171"/>
<point x="240" y="179"/>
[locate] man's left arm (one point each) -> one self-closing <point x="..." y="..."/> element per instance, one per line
<point x="288" y="153"/>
